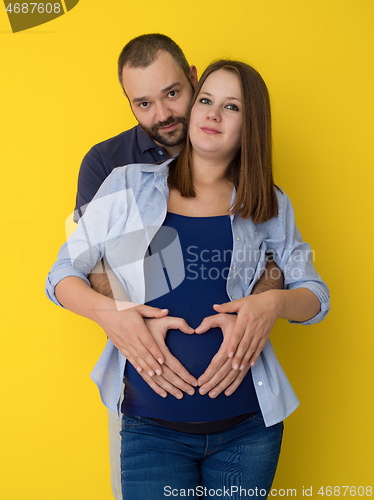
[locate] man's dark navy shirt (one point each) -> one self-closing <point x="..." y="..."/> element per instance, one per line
<point x="132" y="146"/>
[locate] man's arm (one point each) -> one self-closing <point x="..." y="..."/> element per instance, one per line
<point x="100" y="282"/>
<point x="271" y="279"/>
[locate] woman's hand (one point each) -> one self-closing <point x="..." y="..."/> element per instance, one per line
<point x="220" y="376"/>
<point x="128" y="332"/>
<point x="175" y="378"/>
<point x="122" y="321"/>
<point x="256" y="316"/>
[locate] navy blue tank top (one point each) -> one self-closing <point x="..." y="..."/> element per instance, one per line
<point x="204" y="255"/>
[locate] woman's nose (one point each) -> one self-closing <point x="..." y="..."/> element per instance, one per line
<point x="214" y="114"/>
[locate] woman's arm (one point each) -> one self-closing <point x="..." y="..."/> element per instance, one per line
<point x="306" y="299"/>
<point x="141" y="343"/>
<point x="244" y="341"/>
<point x="122" y="322"/>
<point x="257" y="315"/>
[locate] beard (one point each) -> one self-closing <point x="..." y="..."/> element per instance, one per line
<point x="168" y="139"/>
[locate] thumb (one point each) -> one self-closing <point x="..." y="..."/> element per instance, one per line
<point x="152" y="312"/>
<point x="207" y="323"/>
<point x="227" y="307"/>
<point x="182" y="325"/>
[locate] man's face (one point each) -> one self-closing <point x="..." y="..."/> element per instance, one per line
<point x="159" y="97"/>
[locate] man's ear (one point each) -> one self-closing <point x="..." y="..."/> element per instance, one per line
<point x="193" y="75"/>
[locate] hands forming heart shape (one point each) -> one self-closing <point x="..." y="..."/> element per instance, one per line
<point x="139" y="332"/>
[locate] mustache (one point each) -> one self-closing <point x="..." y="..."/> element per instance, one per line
<point x="178" y="119"/>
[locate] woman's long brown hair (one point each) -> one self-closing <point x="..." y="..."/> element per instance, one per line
<point x="251" y="169"/>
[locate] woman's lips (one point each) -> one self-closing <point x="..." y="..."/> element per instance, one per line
<point x="209" y="130"/>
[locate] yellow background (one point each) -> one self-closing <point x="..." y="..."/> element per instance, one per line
<point x="59" y="96"/>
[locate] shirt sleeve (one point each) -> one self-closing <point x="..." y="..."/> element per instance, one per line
<point x="295" y="258"/>
<point x="86" y="246"/>
<point x="93" y="171"/>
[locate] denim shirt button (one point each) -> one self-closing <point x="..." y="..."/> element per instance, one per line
<point x="260" y="383"/>
<point x="237" y="238"/>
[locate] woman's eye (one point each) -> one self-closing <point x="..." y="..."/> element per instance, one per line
<point x="232" y="107"/>
<point x="204" y="100"/>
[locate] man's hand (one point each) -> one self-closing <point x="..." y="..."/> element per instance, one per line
<point x="256" y="317"/>
<point x="220" y="376"/>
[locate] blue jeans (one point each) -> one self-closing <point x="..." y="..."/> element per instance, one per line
<point x="157" y="462"/>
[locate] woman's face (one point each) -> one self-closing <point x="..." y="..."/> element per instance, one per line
<point x="216" y="117"/>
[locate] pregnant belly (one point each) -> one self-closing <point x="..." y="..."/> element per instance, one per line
<point x="194" y="351"/>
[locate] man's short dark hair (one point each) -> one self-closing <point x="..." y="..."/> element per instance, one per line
<point x="143" y="50"/>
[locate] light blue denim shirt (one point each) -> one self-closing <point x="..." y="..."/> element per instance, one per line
<point x="119" y="224"/>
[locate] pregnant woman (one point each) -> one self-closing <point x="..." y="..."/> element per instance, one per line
<point x="192" y="236"/>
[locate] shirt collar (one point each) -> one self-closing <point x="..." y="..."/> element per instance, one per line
<point x="160" y="169"/>
<point x="144" y="141"/>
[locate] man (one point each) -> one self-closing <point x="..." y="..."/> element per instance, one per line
<point x="161" y="112"/>
<point x="159" y="84"/>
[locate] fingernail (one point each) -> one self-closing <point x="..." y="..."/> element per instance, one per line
<point x="191" y="392"/>
<point x="160" y="361"/>
<point x="213" y="394"/>
<point x="151" y="373"/>
<point x="231" y="354"/>
<point x="228" y="393"/>
<point x="158" y="372"/>
<point x="241" y="367"/>
<point x="236" y="366"/>
<point x="139" y="369"/>
<point x="178" y="396"/>
<point x="202" y="391"/>
<point x="252" y="363"/>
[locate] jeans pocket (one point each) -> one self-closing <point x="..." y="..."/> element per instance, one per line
<point x="257" y="417"/>
<point x="132" y="421"/>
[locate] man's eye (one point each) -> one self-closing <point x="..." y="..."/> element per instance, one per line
<point x="144" y="104"/>
<point x="172" y="93"/>
<point x="232" y="107"/>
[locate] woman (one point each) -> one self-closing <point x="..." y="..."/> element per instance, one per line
<point x="186" y="235"/>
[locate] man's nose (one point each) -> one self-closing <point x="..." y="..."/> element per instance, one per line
<point x="163" y="112"/>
